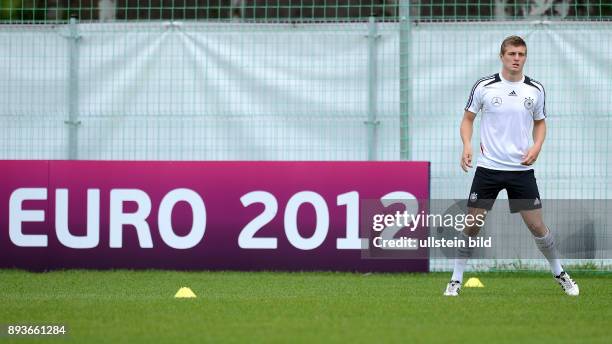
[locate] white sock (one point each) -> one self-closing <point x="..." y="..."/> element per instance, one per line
<point x="463" y="254"/>
<point x="546" y="245"/>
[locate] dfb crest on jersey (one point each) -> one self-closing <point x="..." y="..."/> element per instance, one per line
<point x="528" y="103"/>
<point x="496" y="101"/>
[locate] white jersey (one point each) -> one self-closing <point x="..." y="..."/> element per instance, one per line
<point x="508" y="110"/>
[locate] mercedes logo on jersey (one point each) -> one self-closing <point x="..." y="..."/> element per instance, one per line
<point x="496" y="101"/>
<point x="528" y="103"/>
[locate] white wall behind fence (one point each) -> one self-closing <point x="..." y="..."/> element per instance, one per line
<point x="205" y="91"/>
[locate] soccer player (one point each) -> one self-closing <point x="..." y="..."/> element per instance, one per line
<point x="512" y="107"/>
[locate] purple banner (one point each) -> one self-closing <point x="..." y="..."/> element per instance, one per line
<point x="198" y="215"/>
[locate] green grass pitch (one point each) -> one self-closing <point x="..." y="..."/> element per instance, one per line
<point x="233" y="307"/>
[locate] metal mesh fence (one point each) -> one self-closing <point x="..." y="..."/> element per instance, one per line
<point x="201" y="91"/>
<point x="19" y="11"/>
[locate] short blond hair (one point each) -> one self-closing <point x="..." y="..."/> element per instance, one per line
<point x="514" y="41"/>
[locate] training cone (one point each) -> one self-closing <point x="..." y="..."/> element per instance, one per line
<point x="473" y="283"/>
<point x="184" y="292"/>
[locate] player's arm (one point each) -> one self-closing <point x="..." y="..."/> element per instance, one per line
<point x="539" y="134"/>
<point x="466" y="130"/>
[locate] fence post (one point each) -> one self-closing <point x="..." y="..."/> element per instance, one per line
<point x="73" y="122"/>
<point x="405" y="28"/>
<point x="372" y="123"/>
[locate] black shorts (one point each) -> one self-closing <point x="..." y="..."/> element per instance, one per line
<point x="521" y="187"/>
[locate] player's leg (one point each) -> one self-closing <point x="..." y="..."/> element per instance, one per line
<point x="543" y="238"/>
<point x="524" y="197"/>
<point x="464" y="253"/>
<point x="546" y="244"/>
<point x="485" y="187"/>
